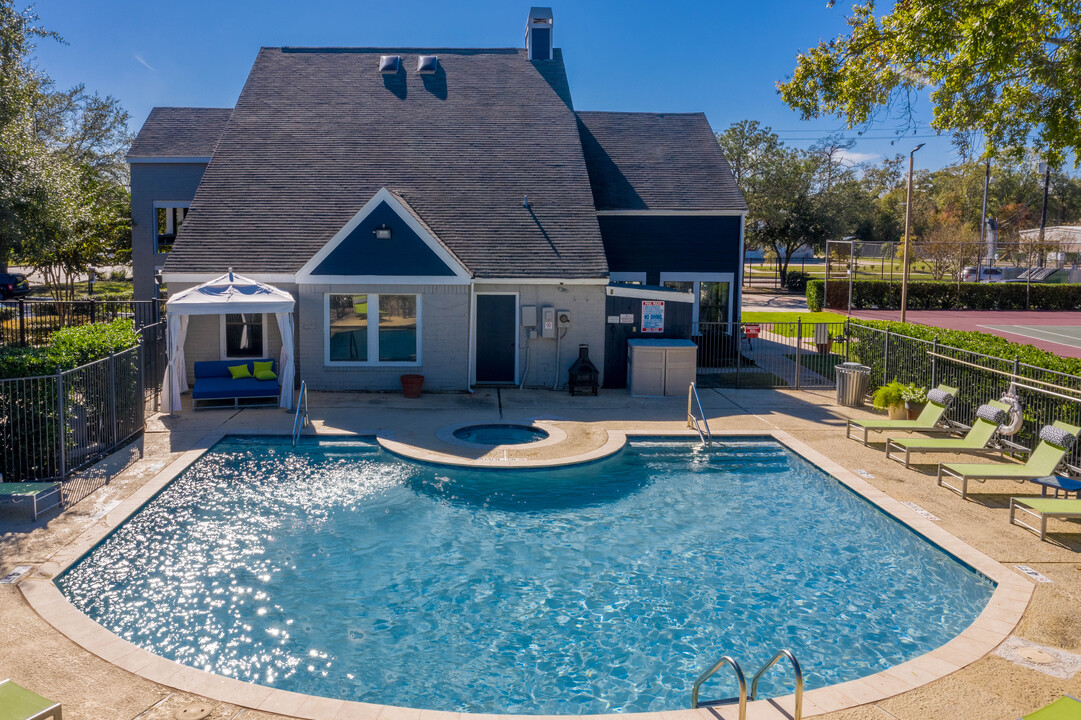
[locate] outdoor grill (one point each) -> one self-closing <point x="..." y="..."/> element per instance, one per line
<point x="583" y="374"/>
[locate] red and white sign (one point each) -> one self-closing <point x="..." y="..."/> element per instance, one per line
<point x="653" y="316"/>
<point x="752" y="330"/>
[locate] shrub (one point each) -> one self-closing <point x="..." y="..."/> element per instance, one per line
<point x="889" y="395"/>
<point x="118" y="274"/>
<point x="815" y="295"/>
<point x="883" y="295"/>
<point x="796" y="281"/>
<point x="69" y="348"/>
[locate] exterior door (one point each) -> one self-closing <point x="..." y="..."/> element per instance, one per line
<point x="497" y="338"/>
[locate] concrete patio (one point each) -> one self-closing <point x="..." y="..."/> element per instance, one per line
<point x="40" y="658"/>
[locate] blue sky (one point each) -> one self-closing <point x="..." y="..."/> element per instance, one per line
<point x="722" y="58"/>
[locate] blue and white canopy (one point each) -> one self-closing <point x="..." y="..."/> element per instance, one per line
<point x="226" y="295"/>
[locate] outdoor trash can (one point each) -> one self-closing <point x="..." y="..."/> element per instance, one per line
<point x="851" y="383"/>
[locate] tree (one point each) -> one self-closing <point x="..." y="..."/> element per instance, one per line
<point x="947" y="247"/>
<point x="1006" y="70"/>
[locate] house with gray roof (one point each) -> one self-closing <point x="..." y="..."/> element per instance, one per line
<point x="430" y="209"/>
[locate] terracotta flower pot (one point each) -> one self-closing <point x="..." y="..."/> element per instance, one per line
<point x="411" y="385"/>
<point x="914" y="409"/>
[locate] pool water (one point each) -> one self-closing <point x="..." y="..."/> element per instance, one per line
<point x="341" y="570"/>
<point x="500" y="434"/>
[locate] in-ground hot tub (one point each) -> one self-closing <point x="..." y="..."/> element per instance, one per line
<point x="501" y="434"/>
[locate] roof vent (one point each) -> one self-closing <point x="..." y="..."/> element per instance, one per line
<point x="538" y="33"/>
<point x="389" y="64"/>
<point x="427" y="64"/>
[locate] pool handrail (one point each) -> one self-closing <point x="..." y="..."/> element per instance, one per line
<point x="692" y="421"/>
<point x="725" y="660"/>
<point x="302" y="404"/>
<point x="798" y="713"/>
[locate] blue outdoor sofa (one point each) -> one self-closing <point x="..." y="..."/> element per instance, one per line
<point x="214" y="382"/>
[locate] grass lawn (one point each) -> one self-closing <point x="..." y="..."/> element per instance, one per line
<point x="784" y="317"/>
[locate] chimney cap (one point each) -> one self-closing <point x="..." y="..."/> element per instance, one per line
<point x="540" y="15"/>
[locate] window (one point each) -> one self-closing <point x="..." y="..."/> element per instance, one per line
<point x="367" y="329"/>
<point x="242" y="336"/>
<point x="712" y="301"/>
<point x="712" y="294"/>
<point x="629" y="278"/>
<point x="168" y="217"/>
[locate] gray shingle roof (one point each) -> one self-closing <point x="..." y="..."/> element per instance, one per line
<point x="656" y="161"/>
<point x="180" y="132"/>
<point x="317" y="132"/>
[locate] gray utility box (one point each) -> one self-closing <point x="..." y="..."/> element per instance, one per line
<point x="660" y="368"/>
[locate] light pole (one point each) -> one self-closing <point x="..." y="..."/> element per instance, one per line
<point x="1046" y="170"/>
<point x="983" y="222"/>
<point x="908" y="224"/>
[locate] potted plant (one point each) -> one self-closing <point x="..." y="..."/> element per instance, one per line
<point x="915" y="399"/>
<point x="411" y="385"/>
<point x="890" y="397"/>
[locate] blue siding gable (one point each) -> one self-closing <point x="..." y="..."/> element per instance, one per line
<point x="406" y="253"/>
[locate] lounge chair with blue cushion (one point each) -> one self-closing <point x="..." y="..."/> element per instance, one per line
<point x="976" y="441"/>
<point x="1055" y="442"/>
<point x="18" y="703"/>
<point x="938" y="402"/>
<point x="48" y="494"/>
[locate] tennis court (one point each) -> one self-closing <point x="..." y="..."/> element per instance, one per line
<point x="1069" y="335"/>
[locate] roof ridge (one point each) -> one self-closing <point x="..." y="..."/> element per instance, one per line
<point x="638" y="112"/>
<point x="344" y="49"/>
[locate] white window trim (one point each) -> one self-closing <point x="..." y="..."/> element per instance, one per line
<point x="628" y="277"/>
<point x="373" y="334"/>
<point x="696" y="278"/>
<point x="223" y="346"/>
<point x="517" y="339"/>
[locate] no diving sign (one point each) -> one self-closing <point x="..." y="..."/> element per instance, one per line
<point x="653" y="316"/>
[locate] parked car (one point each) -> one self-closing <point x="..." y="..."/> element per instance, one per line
<point x="987" y="274"/>
<point x="13" y="285"/>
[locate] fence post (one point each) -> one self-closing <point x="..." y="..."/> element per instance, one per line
<point x="112" y="401"/>
<point x="22" y="322"/>
<point x="848" y="336"/>
<point x="886" y="358"/>
<point x="934" y="362"/>
<point x="799" y="345"/>
<point x="739" y="349"/>
<point x="61" y="424"/>
<point x="93" y="311"/>
<point x="1016" y="371"/>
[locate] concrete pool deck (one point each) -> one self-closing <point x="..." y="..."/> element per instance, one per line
<point x="960" y="680"/>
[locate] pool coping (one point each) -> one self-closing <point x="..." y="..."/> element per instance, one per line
<point x="1003" y="612"/>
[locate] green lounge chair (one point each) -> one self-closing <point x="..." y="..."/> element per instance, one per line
<point x="1066" y="707"/>
<point x="927" y="422"/>
<point x="17" y="492"/>
<point x="1042" y="462"/>
<point x="18" y="703"/>
<point x="976" y="441"/>
<point x="1041" y="509"/>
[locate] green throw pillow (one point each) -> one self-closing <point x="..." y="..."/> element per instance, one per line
<point x="263" y="370"/>
<point x="239" y="371"/>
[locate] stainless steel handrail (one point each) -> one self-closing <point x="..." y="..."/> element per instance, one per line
<point x="726" y="660"/>
<point x="692" y="421"/>
<point x="798" y="714"/>
<point x="302" y="403"/>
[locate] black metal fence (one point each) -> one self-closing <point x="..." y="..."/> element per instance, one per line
<point x="53" y="426"/>
<point x="769" y="355"/>
<point x="31" y="322"/>
<point x="1045" y="395"/>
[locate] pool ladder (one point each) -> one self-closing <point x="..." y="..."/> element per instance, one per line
<point x="742" y="681"/>
<point x="702" y="426"/>
<point x="300" y="418"/>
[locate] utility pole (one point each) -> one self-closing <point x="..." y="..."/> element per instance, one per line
<point x="908" y="224"/>
<point x="983" y="221"/>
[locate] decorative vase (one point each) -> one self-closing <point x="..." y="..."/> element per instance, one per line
<point x="411" y="385"/>
<point x="897" y="412"/>
<point x="914" y="409"/>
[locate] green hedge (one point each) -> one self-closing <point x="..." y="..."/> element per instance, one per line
<point x="816" y="295"/>
<point x="981" y="343"/>
<point x="883" y="295"/>
<point x="69" y="348"/>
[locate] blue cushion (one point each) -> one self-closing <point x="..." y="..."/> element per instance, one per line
<point x="227" y="387"/>
<point x="220" y="368"/>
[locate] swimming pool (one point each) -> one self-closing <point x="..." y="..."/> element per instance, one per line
<point x="500" y="434"/>
<point x="344" y="571"/>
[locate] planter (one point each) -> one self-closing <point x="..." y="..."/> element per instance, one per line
<point x="823" y="348"/>
<point x="914" y="409"/>
<point x="411" y="385"/>
<point x="898" y="412"/>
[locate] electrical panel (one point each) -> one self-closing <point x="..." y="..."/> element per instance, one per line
<point x="563" y="317"/>
<point x="548" y="322"/>
<point x="529" y="316"/>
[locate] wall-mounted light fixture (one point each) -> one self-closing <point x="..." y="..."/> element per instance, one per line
<point x="382" y="232"/>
